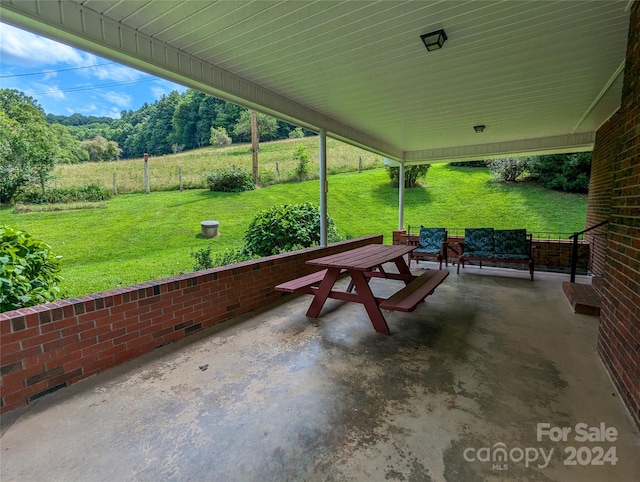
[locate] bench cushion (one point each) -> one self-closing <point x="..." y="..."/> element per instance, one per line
<point x="478" y="240"/>
<point x="430" y="240"/>
<point x="511" y="243"/>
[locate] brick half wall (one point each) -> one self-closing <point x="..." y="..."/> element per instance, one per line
<point x="47" y="347"/>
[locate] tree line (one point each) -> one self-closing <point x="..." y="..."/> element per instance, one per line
<point x="175" y="122"/>
<point x="33" y="142"/>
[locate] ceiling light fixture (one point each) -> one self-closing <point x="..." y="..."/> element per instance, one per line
<point x="434" y="40"/>
<point x="479" y="128"/>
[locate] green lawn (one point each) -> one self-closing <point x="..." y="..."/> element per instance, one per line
<point x="141" y="237"/>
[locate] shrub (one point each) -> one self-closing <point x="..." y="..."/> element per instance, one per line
<point x="564" y="172"/>
<point x="296" y="133"/>
<point x="219" y="137"/>
<point x="268" y="177"/>
<point x="231" y="256"/>
<point x="509" y="169"/>
<point x="205" y="260"/>
<point x="302" y="156"/>
<point x="202" y="259"/>
<point x="284" y="227"/>
<point x="89" y="193"/>
<point x="101" y="149"/>
<point x="236" y="179"/>
<point x="29" y="270"/>
<point x="411" y="174"/>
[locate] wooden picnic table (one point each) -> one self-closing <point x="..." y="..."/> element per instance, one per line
<point x="362" y="264"/>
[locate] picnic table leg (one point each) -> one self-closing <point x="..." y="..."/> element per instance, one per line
<point x="369" y="302"/>
<point x="403" y="268"/>
<point x="324" y="290"/>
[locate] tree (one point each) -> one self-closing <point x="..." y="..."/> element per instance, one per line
<point x="100" y="149"/>
<point x="160" y="125"/>
<point x="411" y="174"/>
<point x="206" y="118"/>
<point x="267" y="126"/>
<point x="70" y="149"/>
<point x="564" y="172"/>
<point x="227" y="115"/>
<point x="27" y="144"/>
<point x="219" y="137"/>
<point x="302" y="156"/>
<point x="509" y="169"/>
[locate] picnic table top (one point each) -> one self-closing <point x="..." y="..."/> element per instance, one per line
<point x="363" y="258"/>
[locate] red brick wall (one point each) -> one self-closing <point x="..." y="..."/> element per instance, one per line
<point x="605" y="152"/>
<point x="47" y="347"/>
<point x="619" y="331"/>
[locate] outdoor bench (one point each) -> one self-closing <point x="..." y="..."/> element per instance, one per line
<point x="496" y="246"/>
<point x="304" y="284"/>
<point x="409" y="297"/>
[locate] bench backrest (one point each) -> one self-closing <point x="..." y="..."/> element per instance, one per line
<point x="432" y="238"/>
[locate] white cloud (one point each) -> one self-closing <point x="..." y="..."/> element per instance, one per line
<point x="30" y="50"/>
<point x="51" y="90"/>
<point x="115" y="73"/>
<point x="120" y="99"/>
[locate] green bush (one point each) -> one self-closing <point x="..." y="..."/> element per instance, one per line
<point x="509" y="169"/>
<point x="89" y="193"/>
<point x="563" y="172"/>
<point x="296" y="133"/>
<point x="29" y="270"/>
<point x="285" y="227"/>
<point x="302" y="156"/>
<point x="236" y="179"/>
<point x="267" y="177"/>
<point x="219" y="137"/>
<point x="204" y="259"/>
<point x="411" y="174"/>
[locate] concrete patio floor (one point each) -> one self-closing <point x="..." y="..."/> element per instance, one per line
<point x="275" y="396"/>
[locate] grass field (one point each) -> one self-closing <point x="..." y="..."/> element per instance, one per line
<point x="274" y="161"/>
<point x="140" y="237"/>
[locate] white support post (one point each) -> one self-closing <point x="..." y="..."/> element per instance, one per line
<point x="401" y="198"/>
<point x="323" y="187"/>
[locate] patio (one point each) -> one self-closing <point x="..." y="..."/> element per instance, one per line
<point x="271" y="396"/>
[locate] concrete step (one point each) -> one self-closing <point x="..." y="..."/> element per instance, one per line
<point x="583" y="298"/>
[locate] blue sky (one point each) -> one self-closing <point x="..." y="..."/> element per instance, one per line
<point x="64" y="80"/>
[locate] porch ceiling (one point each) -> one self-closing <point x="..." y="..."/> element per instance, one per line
<point x="542" y="76"/>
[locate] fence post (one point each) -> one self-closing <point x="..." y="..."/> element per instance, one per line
<point x="146" y="173"/>
<point x="180" y="177"/>
<point x="115" y="186"/>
